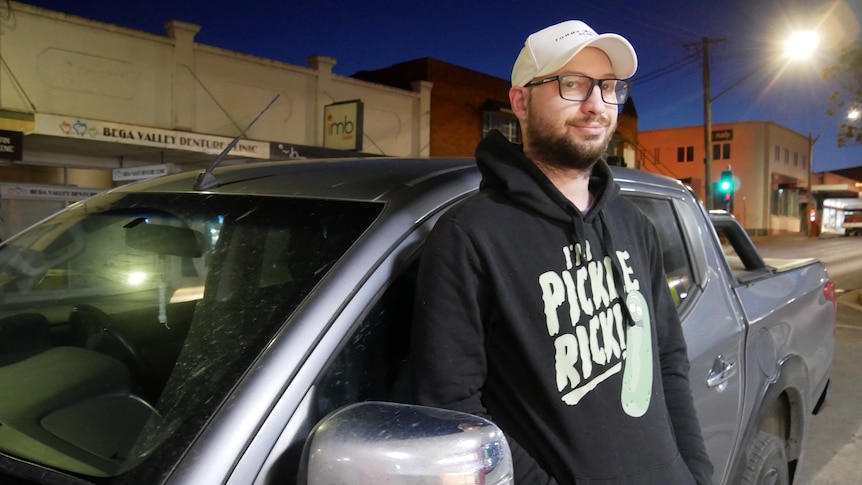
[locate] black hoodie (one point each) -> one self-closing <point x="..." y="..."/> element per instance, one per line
<point x="521" y="318"/>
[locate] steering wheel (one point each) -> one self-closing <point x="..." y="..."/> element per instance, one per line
<point x="93" y="329"/>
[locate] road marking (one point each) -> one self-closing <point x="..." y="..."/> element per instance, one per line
<point x="845" y="466"/>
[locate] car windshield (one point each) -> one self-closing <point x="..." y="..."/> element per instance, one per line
<point x="127" y="319"/>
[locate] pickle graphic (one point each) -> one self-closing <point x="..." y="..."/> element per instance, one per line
<point x="637" y="375"/>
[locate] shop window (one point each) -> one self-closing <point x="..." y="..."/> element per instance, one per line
<point x="785" y="201"/>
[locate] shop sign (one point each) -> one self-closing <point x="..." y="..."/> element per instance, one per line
<point x="46" y="192"/>
<point x="139" y="173"/>
<point x="288" y="151"/>
<point x="722" y="135"/>
<point x="71" y="127"/>
<point x="342" y="127"/>
<point x="11" y="145"/>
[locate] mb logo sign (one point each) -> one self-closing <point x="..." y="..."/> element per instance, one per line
<point x="343" y="125"/>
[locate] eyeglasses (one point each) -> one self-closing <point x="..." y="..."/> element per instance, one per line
<point x="575" y="87"/>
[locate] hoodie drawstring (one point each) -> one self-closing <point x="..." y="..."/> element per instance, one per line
<point x="608" y="243"/>
<point x="578" y="239"/>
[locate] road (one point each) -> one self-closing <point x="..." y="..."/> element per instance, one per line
<point x="833" y="453"/>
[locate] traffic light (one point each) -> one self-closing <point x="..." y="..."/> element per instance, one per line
<point x="724" y="192"/>
<point x="725" y="184"/>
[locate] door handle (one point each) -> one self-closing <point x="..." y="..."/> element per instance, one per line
<point x="722" y="370"/>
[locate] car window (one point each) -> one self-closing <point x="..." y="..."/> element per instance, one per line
<point x="677" y="266"/>
<point x="373" y="363"/>
<point x="127" y="320"/>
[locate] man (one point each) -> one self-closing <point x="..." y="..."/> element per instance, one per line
<point x="542" y="302"/>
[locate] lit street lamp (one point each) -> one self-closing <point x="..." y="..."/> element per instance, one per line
<point x="800" y="45"/>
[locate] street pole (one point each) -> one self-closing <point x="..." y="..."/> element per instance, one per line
<point x="707" y="128"/>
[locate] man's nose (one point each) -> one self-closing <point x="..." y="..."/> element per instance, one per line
<point x="594" y="102"/>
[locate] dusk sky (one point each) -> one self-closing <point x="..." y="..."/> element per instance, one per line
<point x="487" y="36"/>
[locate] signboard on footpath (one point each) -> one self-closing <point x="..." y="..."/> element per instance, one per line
<point x="80" y="128"/>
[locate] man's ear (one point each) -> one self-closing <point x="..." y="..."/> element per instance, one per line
<point x="518" y="98"/>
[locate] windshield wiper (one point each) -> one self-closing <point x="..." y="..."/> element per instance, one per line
<point x="206" y="180"/>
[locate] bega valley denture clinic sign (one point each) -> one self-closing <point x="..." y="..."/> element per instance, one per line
<point x="85" y="129"/>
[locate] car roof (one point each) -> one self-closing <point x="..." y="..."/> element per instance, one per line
<point x="356" y="179"/>
<point x="368" y="179"/>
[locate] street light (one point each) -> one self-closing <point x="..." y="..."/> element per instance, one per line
<point x="801" y="45"/>
<point x="798" y="46"/>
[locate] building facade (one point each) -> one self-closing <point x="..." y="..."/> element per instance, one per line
<point x="769" y="165"/>
<point x="87" y="105"/>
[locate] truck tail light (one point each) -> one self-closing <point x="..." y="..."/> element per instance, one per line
<point x="829" y="293"/>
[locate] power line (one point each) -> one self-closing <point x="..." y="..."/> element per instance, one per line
<point x="667" y="69"/>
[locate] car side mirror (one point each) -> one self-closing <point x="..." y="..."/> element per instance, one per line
<point x="379" y="442"/>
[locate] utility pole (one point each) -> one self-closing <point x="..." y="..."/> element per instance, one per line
<point x="707" y="126"/>
<point x="707" y="122"/>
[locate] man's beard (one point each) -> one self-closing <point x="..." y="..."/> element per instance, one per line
<point x="561" y="151"/>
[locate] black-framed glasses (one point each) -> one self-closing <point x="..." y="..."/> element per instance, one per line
<point x="576" y="87"/>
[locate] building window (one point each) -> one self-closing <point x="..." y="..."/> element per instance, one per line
<point x="777" y="153"/>
<point x="804" y="161"/>
<point x="795" y="159"/>
<point x="786" y="156"/>
<point x="685" y="154"/>
<point x="721" y="151"/>
<point x="505" y="122"/>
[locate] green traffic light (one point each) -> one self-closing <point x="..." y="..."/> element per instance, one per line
<point x="725" y="184"/>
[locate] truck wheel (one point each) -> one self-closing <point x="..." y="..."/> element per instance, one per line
<point x="767" y="462"/>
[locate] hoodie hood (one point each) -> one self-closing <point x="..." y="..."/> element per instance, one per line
<point x="505" y="167"/>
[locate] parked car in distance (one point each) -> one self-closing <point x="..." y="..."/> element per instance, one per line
<point x="254" y="331"/>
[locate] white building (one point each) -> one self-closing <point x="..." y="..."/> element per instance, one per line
<point x="85" y="105"/>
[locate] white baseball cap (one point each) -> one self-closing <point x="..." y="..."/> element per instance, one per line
<point x="551" y="48"/>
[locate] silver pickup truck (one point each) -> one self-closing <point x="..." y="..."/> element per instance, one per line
<point x="257" y="331"/>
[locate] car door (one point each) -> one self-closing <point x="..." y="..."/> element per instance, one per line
<point x="712" y="323"/>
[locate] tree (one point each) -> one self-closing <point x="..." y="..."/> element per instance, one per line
<point x="846" y="100"/>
